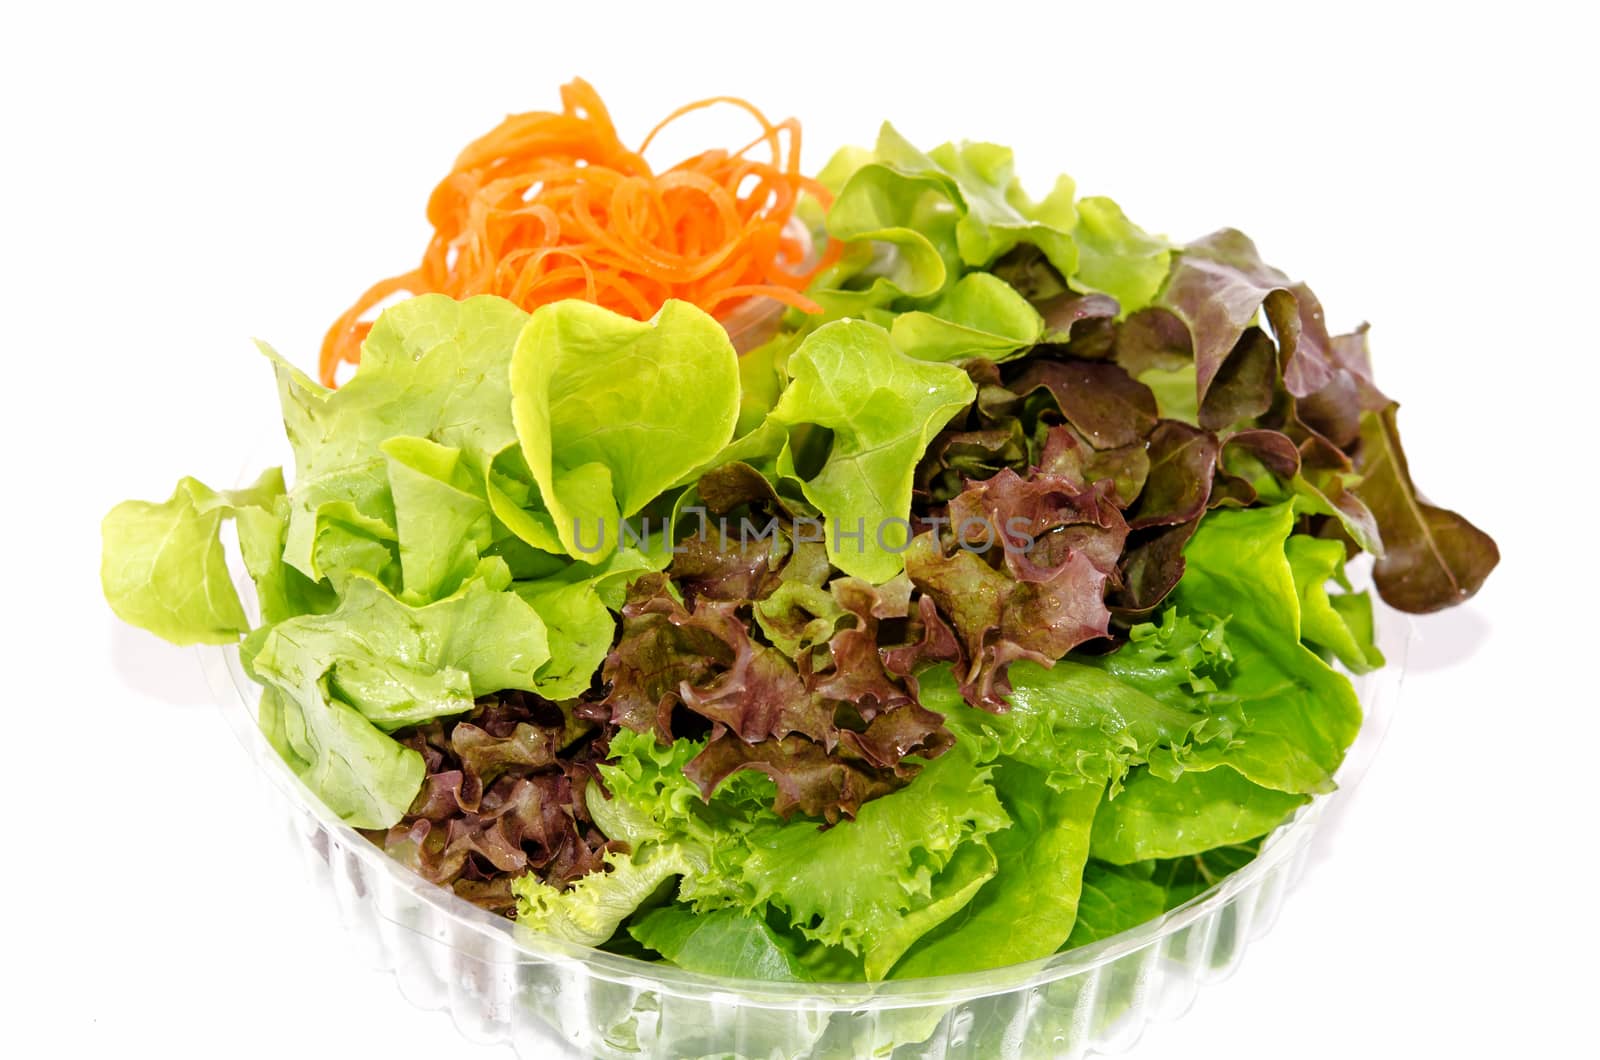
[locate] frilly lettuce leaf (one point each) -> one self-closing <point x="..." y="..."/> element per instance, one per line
<point x="1297" y="715"/>
<point x="870" y="887"/>
<point x="1075" y="723"/>
<point x="897" y="870"/>
<point x="1301" y="714"/>
<point x="589" y="911"/>
<point x="612" y="411"/>
<point x="1060" y="547"/>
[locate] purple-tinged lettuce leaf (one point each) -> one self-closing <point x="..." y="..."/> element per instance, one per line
<point x="1217" y="286"/>
<point x="1067" y="454"/>
<point x="1251" y="464"/>
<point x="1153" y="339"/>
<point x="831" y="732"/>
<point x="1106" y="405"/>
<point x="1151" y="567"/>
<point x="1244" y="385"/>
<point x="1433" y="558"/>
<point x="1022" y="576"/>
<point x="1183" y="461"/>
<point x="503" y="796"/>
<point x="714" y="566"/>
<point x="1080" y="324"/>
<point x="807" y="778"/>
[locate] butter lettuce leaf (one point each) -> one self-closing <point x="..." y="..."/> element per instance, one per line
<point x="1117" y="257"/>
<point x="611" y="411"/>
<point x="163" y="567"/>
<point x="1340" y="624"/>
<point x="882" y="408"/>
<point x="442" y="522"/>
<point x="431" y="368"/>
<point x="1156" y="818"/>
<point x="1112" y="899"/>
<point x="723" y="942"/>
<point x="336" y="683"/>
<point x="1301" y="714"/>
<point x="980" y="315"/>
<point x="1027" y="910"/>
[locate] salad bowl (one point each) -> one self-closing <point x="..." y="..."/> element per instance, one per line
<point x="505" y="984"/>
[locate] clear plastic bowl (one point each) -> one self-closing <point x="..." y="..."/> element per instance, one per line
<point x="503" y="983"/>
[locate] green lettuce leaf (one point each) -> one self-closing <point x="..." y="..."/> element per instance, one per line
<point x="1340" y="624"/>
<point x="1116" y="256"/>
<point x="980" y="315"/>
<point x="163" y="567"/>
<point x="1074" y="722"/>
<point x="1028" y="909"/>
<point x="1112" y="899"/>
<point x="996" y="214"/>
<point x="591" y="910"/>
<point x="1301" y="715"/>
<point x="613" y="411"/>
<point x="902" y="866"/>
<point x="722" y="942"/>
<point x="431" y="368"/>
<point x="335" y="682"/>
<point x="1298" y="715"/>
<point x="441" y="512"/>
<point x="281" y="590"/>
<point x="869" y="887"/>
<point x="1156" y="818"/>
<point x="576" y="605"/>
<point x="882" y="407"/>
<point x="1187" y="877"/>
<point x="357" y="771"/>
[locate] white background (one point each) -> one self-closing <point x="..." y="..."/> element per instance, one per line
<point x="176" y="181"/>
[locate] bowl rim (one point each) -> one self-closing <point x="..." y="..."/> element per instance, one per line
<point x="1377" y="691"/>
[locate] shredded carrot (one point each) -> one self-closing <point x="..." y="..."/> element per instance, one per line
<point x="552" y="205"/>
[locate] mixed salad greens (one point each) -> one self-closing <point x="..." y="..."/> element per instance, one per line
<point x="993" y="605"/>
